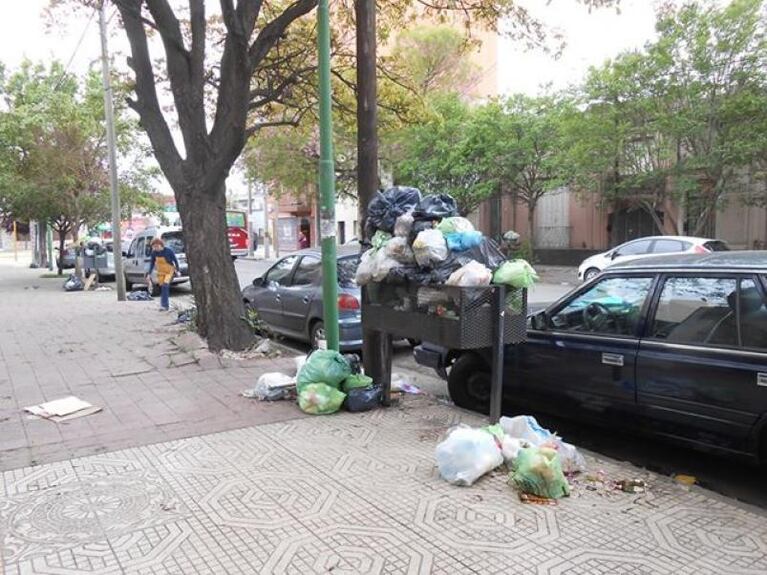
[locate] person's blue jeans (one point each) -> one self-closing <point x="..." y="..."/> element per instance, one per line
<point x="165" y="296"/>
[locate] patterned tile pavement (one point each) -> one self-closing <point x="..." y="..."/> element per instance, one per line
<point x="352" y="495"/>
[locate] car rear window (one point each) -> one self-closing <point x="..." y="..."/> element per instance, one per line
<point x="717" y="246"/>
<point x="175" y="241"/>
<point x="347" y="269"/>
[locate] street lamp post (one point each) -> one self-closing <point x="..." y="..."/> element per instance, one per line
<point x="327" y="183"/>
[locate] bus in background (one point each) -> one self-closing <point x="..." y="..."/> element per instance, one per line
<point x="237" y="231"/>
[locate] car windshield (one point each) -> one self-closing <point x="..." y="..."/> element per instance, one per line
<point x="347" y="269"/>
<point x="175" y="241"/>
<point x="717" y="246"/>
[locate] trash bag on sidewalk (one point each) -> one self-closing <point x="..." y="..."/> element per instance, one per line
<point x="398" y="249"/>
<point x="538" y="471"/>
<point x="436" y="207"/>
<point x="320" y="399"/>
<point x="272" y="387"/>
<point x="323" y="366"/>
<point x="462" y="241"/>
<point x="472" y="274"/>
<point x="387" y="206"/>
<point x="516" y="273"/>
<point x="356" y="381"/>
<point x="139" y="295"/>
<point x="73" y="283"/>
<point x="363" y="399"/>
<point x="466" y="455"/>
<point x="527" y="429"/>
<point x="429" y="247"/>
<point x="455" y="225"/>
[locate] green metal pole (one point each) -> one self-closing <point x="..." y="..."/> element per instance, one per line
<point x="327" y="183"/>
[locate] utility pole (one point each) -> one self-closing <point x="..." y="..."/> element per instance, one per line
<point x="49" y="240"/>
<point x="109" y="115"/>
<point x="375" y="346"/>
<point x="15" y="242"/>
<point x="248" y="220"/>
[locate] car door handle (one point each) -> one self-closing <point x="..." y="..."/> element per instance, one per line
<point x="614" y="359"/>
<point x="306" y="299"/>
<point x="277" y="297"/>
<point x="761" y="379"/>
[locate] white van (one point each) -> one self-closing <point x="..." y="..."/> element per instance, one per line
<point x="136" y="259"/>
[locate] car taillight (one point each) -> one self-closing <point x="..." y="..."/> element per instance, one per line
<point x="348" y="302"/>
<point x="701" y="250"/>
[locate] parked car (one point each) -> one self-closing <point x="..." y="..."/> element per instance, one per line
<point x="649" y="246"/>
<point x="288" y="297"/>
<point x="674" y="346"/>
<point x="66" y="260"/>
<point x="99" y="250"/>
<point x="136" y="259"/>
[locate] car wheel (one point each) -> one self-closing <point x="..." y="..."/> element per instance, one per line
<point x="413" y="342"/>
<point x="590" y="274"/>
<point x="469" y="383"/>
<point x="763" y="451"/>
<point x="317" y="333"/>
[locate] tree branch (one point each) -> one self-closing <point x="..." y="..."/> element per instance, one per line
<point x="272" y="32"/>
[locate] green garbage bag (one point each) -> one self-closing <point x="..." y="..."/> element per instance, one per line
<point x="323" y="366"/>
<point x="454" y="225"/>
<point x="356" y="381"/>
<point x="320" y="399"/>
<point x="380" y="239"/>
<point x="516" y="273"/>
<point x="538" y="471"/>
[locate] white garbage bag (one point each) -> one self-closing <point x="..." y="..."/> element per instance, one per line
<point x="398" y="249"/>
<point x="404" y="224"/>
<point x="365" y="269"/>
<point x="466" y="455"/>
<point x="382" y="265"/>
<point x="470" y="275"/>
<point x="510" y="447"/>
<point x="429" y="247"/>
<point x="271" y="387"/>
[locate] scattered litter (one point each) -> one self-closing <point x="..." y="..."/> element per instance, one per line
<point x="400" y="383"/>
<point x="73" y="283"/>
<point x="272" y="387"/>
<point x="467" y="454"/>
<point x="527" y="428"/>
<point x="535" y="499"/>
<point x="139" y="295"/>
<point x="538" y="471"/>
<point x="103" y="288"/>
<point x="362" y="398"/>
<point x="63" y="409"/>
<point x="631" y="485"/>
<point x="320" y="399"/>
<point x="262" y="350"/>
<point x="688" y="480"/>
<point x="185" y="316"/>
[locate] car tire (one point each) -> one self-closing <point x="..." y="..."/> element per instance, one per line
<point x="413" y="342"/>
<point x="317" y="330"/>
<point x="469" y="383"/>
<point x="590" y="274"/>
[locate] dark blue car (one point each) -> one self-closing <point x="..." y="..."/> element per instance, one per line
<point x="674" y="346"/>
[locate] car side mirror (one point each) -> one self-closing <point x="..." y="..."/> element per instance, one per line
<point x="540" y="321"/>
<point x="258" y="282"/>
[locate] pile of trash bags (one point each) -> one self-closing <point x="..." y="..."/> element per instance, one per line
<point x="538" y="460"/>
<point x="73" y="283"/>
<point x="423" y="240"/>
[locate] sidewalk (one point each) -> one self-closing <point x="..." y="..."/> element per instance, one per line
<point x="155" y="381"/>
<point x="180" y="475"/>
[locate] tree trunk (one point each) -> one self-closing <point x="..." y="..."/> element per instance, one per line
<point x="367" y="112"/>
<point x="60" y="260"/>
<point x="531" y="225"/>
<point x="220" y="309"/>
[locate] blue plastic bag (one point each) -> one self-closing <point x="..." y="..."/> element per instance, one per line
<point x="462" y="241"/>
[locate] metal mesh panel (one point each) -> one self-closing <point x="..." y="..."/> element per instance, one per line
<point x="457" y="318"/>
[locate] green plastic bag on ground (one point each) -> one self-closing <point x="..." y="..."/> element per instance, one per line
<point x="356" y="381"/>
<point x="538" y="471"/>
<point x="320" y="399"/>
<point x="323" y="366"/>
<point x="515" y="273"/>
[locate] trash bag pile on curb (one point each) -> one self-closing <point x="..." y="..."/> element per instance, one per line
<point x="73" y="283"/>
<point x="422" y="240"/>
<point x="538" y="460"/>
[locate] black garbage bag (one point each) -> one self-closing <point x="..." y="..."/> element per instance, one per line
<point x="444" y="269"/>
<point x="436" y="207"/>
<point x="487" y="253"/>
<point x="73" y="283"/>
<point x="139" y="295"/>
<point x="418" y="227"/>
<point x="387" y="206"/>
<point x="355" y="362"/>
<point x="363" y="399"/>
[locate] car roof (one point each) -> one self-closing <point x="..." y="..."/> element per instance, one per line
<point x="341" y="251"/>
<point x="682" y="238"/>
<point x="716" y="261"/>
